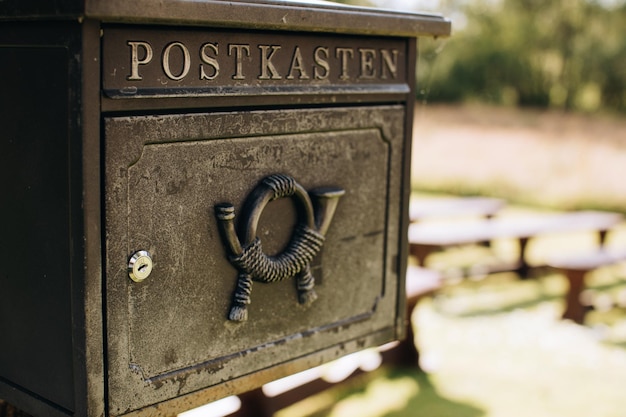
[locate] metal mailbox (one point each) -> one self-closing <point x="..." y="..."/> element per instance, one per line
<point x="198" y="196"/>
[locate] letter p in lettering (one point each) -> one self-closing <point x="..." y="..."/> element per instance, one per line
<point x="134" y="58"/>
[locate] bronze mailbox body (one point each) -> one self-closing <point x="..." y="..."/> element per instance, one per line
<point x="214" y="196"/>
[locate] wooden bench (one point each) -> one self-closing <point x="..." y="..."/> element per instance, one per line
<point x="425" y="238"/>
<point x="575" y="267"/>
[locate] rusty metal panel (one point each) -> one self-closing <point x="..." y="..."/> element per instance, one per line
<point x="172" y="333"/>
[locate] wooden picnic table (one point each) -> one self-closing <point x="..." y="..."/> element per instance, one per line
<point x="424" y="238"/>
<point x="428" y="207"/>
<point x="575" y="267"/>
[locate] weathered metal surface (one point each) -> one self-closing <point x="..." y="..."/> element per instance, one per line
<point x="170" y="334"/>
<point x="275" y="15"/>
<point x="246" y="248"/>
<point x="318" y="16"/>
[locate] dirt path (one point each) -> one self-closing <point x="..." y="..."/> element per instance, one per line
<point x="543" y="158"/>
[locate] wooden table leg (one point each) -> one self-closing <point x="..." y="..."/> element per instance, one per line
<point x="420" y="252"/>
<point x="574" y="310"/>
<point x="602" y="237"/>
<point x="523" y="269"/>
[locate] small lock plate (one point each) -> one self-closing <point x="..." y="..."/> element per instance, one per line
<point x="140" y="266"/>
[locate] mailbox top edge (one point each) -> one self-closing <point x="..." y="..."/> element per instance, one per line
<point x="311" y="15"/>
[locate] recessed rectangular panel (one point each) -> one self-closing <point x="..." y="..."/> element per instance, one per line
<point x="171" y="333"/>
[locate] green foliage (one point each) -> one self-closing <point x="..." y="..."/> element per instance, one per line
<point x="568" y="54"/>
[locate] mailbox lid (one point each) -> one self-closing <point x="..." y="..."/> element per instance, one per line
<point x="317" y="16"/>
<point x="170" y="335"/>
<point x="314" y="16"/>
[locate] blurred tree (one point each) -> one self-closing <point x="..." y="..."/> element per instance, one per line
<point x="569" y="54"/>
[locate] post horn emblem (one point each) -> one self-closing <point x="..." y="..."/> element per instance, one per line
<point x="315" y="212"/>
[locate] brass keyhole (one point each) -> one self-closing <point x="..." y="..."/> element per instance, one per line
<point x="140" y="265"/>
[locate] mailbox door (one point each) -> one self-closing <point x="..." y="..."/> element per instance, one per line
<point x="170" y="334"/>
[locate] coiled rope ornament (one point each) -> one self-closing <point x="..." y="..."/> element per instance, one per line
<point x="306" y="241"/>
